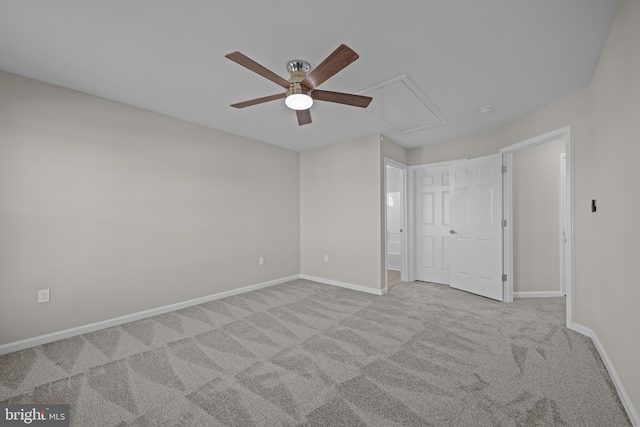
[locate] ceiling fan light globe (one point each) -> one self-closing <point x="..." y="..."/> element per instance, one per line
<point x="298" y="101"/>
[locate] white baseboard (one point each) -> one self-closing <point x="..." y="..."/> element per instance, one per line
<point x="92" y="327"/>
<point x="552" y="294"/>
<point x="628" y="406"/>
<point x="582" y="329"/>
<point x="343" y="284"/>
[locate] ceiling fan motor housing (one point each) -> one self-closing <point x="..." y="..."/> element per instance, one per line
<point x="298" y="65"/>
<point x="296" y="87"/>
<point x="302" y="95"/>
<point x="298" y="69"/>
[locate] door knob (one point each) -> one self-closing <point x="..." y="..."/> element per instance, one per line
<point x="453" y="232"/>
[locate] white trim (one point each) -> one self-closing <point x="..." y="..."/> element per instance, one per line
<point x="537" y="140"/>
<point x="562" y="165"/>
<point x="622" y="393"/>
<point x="344" y="285"/>
<point x="568" y="221"/>
<point x="582" y="330"/>
<point x="406" y="226"/>
<point x="437" y="164"/>
<point x="507" y="215"/>
<point x="411" y="246"/>
<point x="552" y="294"/>
<point x="92" y="327"/>
<point x="568" y="214"/>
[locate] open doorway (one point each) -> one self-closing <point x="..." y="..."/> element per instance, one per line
<point x="538" y="204"/>
<point x="395" y="223"/>
<point x="537" y="224"/>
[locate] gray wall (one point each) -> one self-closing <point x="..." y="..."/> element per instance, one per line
<point x="119" y="210"/>
<point x="536" y="213"/>
<point x="605" y="129"/>
<point x="608" y="251"/>
<point x="341" y="199"/>
<point x="342" y="205"/>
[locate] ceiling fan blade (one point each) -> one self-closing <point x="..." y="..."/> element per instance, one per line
<point x="258" y="100"/>
<point x="339" y="59"/>
<point x="342" y="98"/>
<point x="304" y="117"/>
<point x="252" y="65"/>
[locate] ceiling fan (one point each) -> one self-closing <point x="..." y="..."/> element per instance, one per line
<point x="301" y="87"/>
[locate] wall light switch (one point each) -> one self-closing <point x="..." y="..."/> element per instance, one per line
<point x="43" y="296"/>
<point x="326" y="258"/>
<point x="261" y="261"/>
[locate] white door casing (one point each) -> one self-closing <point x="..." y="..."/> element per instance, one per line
<point x="564" y="132"/>
<point x="432" y="242"/>
<point x="563" y="232"/>
<point x="476" y="226"/>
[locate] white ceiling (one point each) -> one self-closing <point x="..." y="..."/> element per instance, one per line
<point x="168" y="56"/>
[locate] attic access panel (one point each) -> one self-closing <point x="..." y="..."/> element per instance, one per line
<point x="400" y="104"/>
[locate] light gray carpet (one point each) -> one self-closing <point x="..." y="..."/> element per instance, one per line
<point x="303" y="353"/>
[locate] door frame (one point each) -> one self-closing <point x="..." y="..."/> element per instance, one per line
<point x="562" y="164"/>
<point x="568" y="213"/>
<point x="404" y="272"/>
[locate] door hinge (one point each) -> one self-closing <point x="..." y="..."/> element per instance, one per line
<point x="504" y="222"/>
<point x="504" y="277"/>
<point x="504" y="168"/>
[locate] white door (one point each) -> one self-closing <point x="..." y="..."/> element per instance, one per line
<point x="433" y="242"/>
<point x="476" y="226"/>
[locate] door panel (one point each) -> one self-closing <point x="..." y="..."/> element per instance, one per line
<point x="462" y="206"/>
<point x="461" y="256"/>
<point x="428" y="249"/>
<point x="428" y="208"/>
<point x="485" y="205"/>
<point x="447" y="253"/>
<point x="432" y="220"/>
<point x="476" y="213"/>
<point x="484" y="253"/>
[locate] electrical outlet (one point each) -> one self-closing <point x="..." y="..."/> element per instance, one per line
<point x="43" y="296"/>
<point x="261" y="261"/>
<point x="326" y="258"/>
